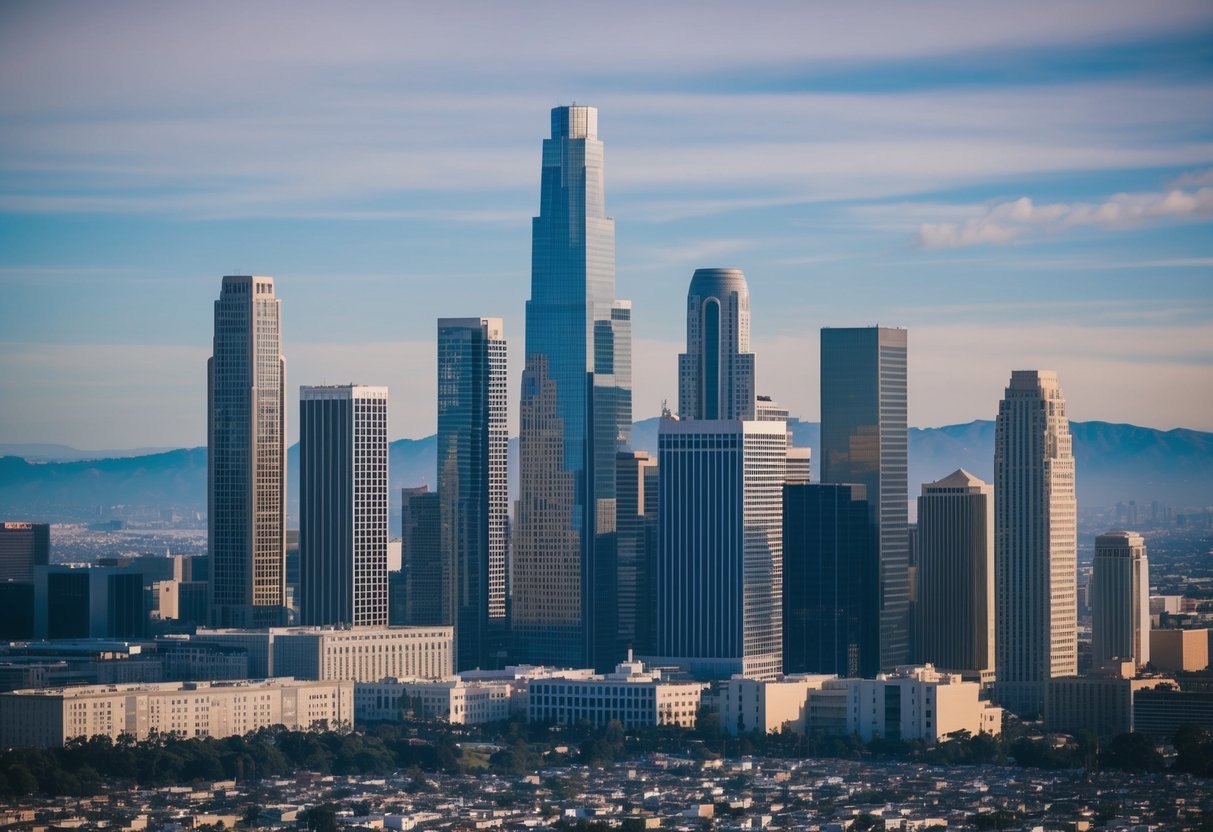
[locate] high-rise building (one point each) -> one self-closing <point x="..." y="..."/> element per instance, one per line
<point x="1035" y="544"/>
<point x="955" y="606"/>
<point x="829" y="580"/>
<point x="343" y="516"/>
<point x="716" y="373"/>
<point x="22" y="547"/>
<point x="246" y="456"/>
<point x="720" y="547"/>
<point x="472" y="448"/>
<point x="429" y="581"/>
<point x="864" y="440"/>
<point x="1120" y="600"/>
<point x="575" y="412"/>
<point x="636" y="515"/>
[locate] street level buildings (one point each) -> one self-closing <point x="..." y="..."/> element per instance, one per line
<point x="49" y="718"/>
<point x="955" y="608"/>
<point x="576" y="410"/>
<point x="1120" y="600"/>
<point x="246" y="456"/>
<point x="864" y="440"/>
<point x="472" y="448"/>
<point x="1036" y="549"/>
<point x="343" y="514"/>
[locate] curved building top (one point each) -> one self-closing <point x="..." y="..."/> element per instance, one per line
<point x="718" y="283"/>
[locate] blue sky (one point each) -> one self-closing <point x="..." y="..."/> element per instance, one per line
<point x="1021" y="185"/>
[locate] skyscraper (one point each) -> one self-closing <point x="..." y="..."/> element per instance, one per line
<point x="720" y="546"/>
<point x="22" y="547"/>
<point x="472" y="447"/>
<point x="246" y="456"/>
<point x="1035" y="544"/>
<point x="1120" y="600"/>
<point x="343" y="516"/>
<point x="428" y="576"/>
<point x="575" y="412"/>
<point x="636" y="515"/>
<point x="955" y="625"/>
<point x="716" y="373"/>
<point x="864" y="441"/>
<point x="829" y="580"/>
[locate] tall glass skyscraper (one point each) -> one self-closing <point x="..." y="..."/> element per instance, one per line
<point x="246" y="457"/>
<point x="472" y="447"/>
<point x="576" y="410"/>
<point x="864" y="441"/>
<point x="343" y="516"/>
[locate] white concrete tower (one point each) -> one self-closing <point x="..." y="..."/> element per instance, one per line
<point x="1120" y="600"/>
<point x="716" y="373"/>
<point x="1036" y="548"/>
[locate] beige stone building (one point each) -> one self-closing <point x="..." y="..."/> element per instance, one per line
<point x="630" y="694"/>
<point x="449" y="700"/>
<point x="767" y="705"/>
<point x="51" y="717"/>
<point x="1179" y="650"/>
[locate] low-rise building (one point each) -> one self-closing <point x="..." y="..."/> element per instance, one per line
<point x="912" y="703"/>
<point x="630" y="694"/>
<point x="450" y="700"/>
<point x="51" y="717"/>
<point x="1102" y="705"/>
<point x="767" y="705"/>
<point x="1160" y="711"/>
<point x="360" y="654"/>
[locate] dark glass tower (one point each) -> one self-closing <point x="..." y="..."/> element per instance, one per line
<point x="472" y="446"/>
<point x="829" y="580"/>
<point x="864" y="441"/>
<point x="575" y="410"/>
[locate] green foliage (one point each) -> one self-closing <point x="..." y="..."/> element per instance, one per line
<point x="1132" y="752"/>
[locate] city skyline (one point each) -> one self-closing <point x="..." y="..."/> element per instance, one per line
<point x="1063" y="157"/>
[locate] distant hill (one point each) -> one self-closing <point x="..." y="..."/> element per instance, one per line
<point x="1115" y="462"/>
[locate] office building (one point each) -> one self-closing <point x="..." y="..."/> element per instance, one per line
<point x="365" y="654"/>
<point x="343" y="516"/>
<point x="800" y="464"/>
<point x="428" y="578"/>
<point x="49" y="718"/>
<point x="1101" y="704"/>
<point x="636" y="520"/>
<point x="912" y="703"/>
<point x="448" y="700"/>
<point x="720" y="547"/>
<point x="16" y="610"/>
<point x="631" y="694"/>
<point x="1182" y="651"/>
<point x="472" y="448"/>
<point x="575" y="411"/>
<point x="716" y="373"/>
<point x="1160" y="711"/>
<point x="864" y="441"/>
<point x="22" y="547"/>
<point x="246" y="457"/>
<point x="81" y="602"/>
<point x="829" y="581"/>
<point x="955" y="573"/>
<point x="1035" y="543"/>
<point x="767" y="705"/>
<point x="1120" y="600"/>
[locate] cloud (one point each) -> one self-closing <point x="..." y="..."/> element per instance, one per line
<point x="1007" y="222"/>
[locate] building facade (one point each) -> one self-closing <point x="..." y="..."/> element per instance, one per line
<point x="576" y="410"/>
<point x="829" y="581"/>
<point x="864" y="440"/>
<point x="246" y="457"/>
<point x="448" y="700"/>
<point x="630" y="694"/>
<point x="720" y="547"/>
<point x="49" y="718"/>
<point x="1035" y="541"/>
<point x="955" y="557"/>
<point x="636" y="521"/>
<point x="22" y="547"/>
<point x="716" y="373"/>
<point x="472" y="449"/>
<point x="428" y="576"/>
<point x="767" y="705"/>
<point x="1120" y="600"/>
<point x="343" y="516"/>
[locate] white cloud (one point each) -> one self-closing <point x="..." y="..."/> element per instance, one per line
<point x="1006" y="222"/>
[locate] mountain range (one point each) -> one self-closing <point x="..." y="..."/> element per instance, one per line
<point x="1115" y="462"/>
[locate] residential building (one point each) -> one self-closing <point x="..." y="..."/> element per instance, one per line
<point x="1035" y="543"/>
<point x="472" y="449"/>
<point x="343" y="515"/>
<point x="575" y="410"/>
<point x="864" y="441"/>
<point x="955" y="572"/>
<point x="246" y="457"/>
